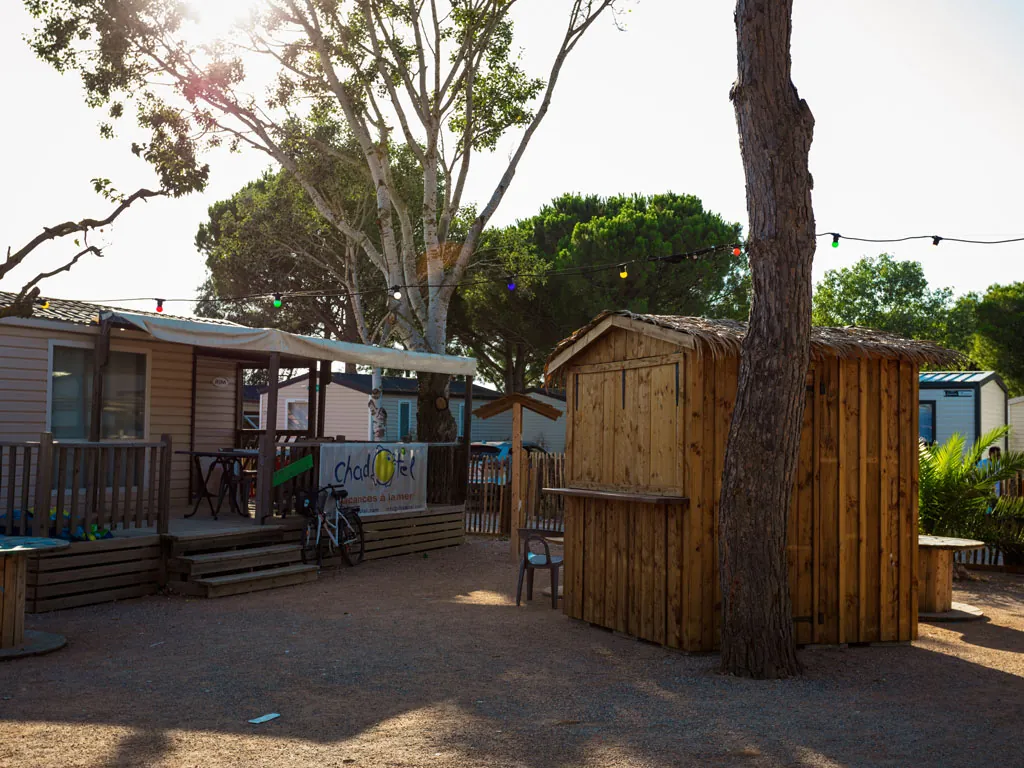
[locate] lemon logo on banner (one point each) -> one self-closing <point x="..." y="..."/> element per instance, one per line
<point x="383" y="466"/>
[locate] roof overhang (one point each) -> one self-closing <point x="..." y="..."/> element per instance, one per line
<point x="610" y="322"/>
<point x="507" y="402"/>
<point x="240" y="342"/>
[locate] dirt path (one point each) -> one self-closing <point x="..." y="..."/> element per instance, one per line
<point x="427" y="662"/>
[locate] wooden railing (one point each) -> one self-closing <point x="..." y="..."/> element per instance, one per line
<point x="544" y="511"/>
<point x="64" y="489"/>
<point x="489" y="499"/>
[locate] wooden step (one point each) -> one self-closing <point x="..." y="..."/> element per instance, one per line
<point x="238" y="583"/>
<point x="235" y="559"/>
<point x="214" y="541"/>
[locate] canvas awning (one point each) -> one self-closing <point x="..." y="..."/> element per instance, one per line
<point x="231" y="338"/>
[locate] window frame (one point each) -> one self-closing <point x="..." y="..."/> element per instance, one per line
<point x="136" y="349"/>
<point x="288" y="401"/>
<point x="934" y="409"/>
<point x="400" y="435"/>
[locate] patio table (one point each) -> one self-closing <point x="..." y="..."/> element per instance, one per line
<point x="935" y="579"/>
<point x="231" y="472"/>
<point x="15" y="640"/>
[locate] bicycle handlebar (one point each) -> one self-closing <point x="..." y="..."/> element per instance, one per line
<point x="336" y="490"/>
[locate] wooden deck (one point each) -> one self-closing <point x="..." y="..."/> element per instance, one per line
<point x="212" y="558"/>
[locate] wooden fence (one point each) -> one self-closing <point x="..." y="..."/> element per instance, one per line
<point x="50" y="488"/>
<point x="489" y="499"/>
<point x="489" y="505"/>
<point x="543" y="511"/>
<point x="1014" y="486"/>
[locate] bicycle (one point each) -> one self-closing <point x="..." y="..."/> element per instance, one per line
<point x="329" y="531"/>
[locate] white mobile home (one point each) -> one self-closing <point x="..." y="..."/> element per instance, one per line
<point x="1016" y="419"/>
<point x="966" y="402"/>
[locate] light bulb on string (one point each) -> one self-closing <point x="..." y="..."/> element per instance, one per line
<point x="277" y="301"/>
<point x="511" y="284"/>
<point x="736" y="251"/>
<point x="623" y="272"/>
<point x="935" y="239"/>
<point x="835" y="239"/>
<point x="159" y="305"/>
<point x="43" y="303"/>
<point x="396" y="293"/>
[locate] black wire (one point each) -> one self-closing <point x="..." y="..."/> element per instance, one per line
<point x="919" y="237"/>
<point x="581" y="270"/>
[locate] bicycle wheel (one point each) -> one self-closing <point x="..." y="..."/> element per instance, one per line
<point x="310" y="550"/>
<point x="350" y="536"/>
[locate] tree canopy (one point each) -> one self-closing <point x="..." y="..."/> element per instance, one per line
<point x="889" y="295"/>
<point x="998" y="341"/>
<point x="511" y="331"/>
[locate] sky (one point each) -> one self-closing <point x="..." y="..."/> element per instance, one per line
<point x="918" y="106"/>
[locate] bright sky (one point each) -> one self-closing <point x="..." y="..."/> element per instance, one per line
<point x="918" y="106"/>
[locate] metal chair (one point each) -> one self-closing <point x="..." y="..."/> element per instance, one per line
<point x="533" y="561"/>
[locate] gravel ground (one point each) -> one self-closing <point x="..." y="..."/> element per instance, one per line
<point x="427" y="662"/>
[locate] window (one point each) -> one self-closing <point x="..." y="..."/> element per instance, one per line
<point x="124" y="395"/>
<point x="461" y="421"/>
<point x="296" y="414"/>
<point x="926" y="420"/>
<point x="404" y="419"/>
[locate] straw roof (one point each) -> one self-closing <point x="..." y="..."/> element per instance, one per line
<point x="725" y="337"/>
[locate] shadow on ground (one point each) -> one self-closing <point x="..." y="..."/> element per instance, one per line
<point x="416" y="661"/>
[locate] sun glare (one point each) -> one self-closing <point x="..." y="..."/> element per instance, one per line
<point x="213" y="20"/>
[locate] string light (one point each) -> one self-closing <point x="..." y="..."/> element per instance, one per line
<point x="835" y="239"/>
<point x="736" y="251"/>
<point x="396" y="293"/>
<point x="511" y="284"/>
<point x="159" y="305"/>
<point x="277" y="301"/>
<point x="935" y="239"/>
<point x="623" y="272"/>
<point x="43" y="303"/>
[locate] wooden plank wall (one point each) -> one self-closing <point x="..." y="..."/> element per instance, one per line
<point x="90" y="572"/>
<point x="652" y="571"/>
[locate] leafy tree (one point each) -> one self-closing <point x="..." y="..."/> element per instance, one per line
<point x="511" y="331"/>
<point x="889" y="295"/>
<point x="998" y="342"/>
<point x="443" y="78"/>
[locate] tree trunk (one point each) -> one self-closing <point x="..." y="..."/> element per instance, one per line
<point x="775" y="128"/>
<point x="378" y="415"/>
<point x="434" y="424"/>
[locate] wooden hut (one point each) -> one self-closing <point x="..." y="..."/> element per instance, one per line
<point x="649" y="402"/>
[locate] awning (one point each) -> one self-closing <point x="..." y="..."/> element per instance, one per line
<point x="239" y="338"/>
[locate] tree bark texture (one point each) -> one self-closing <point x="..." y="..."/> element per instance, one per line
<point x="433" y="423"/>
<point x="775" y="128"/>
<point x="378" y="414"/>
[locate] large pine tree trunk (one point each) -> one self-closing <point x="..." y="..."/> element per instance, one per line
<point x="775" y="128"/>
<point x="434" y="420"/>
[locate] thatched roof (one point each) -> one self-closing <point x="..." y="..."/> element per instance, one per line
<point x="725" y="337"/>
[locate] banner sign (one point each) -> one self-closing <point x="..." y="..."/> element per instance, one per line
<point x="379" y="477"/>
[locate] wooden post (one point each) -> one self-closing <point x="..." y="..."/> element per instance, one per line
<point x="311" y="401"/>
<point x="467" y="438"/>
<point x="192" y="480"/>
<point x="268" y="443"/>
<point x="12" y="600"/>
<point x="163" y="510"/>
<point x="321" y="408"/>
<point x="44" y="475"/>
<point x="517" y="477"/>
<point x="101" y="355"/>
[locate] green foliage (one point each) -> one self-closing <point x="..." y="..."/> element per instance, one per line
<point x="958" y="491"/>
<point x="998" y="342"/>
<point x="512" y="332"/>
<point x="889" y="295"/>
